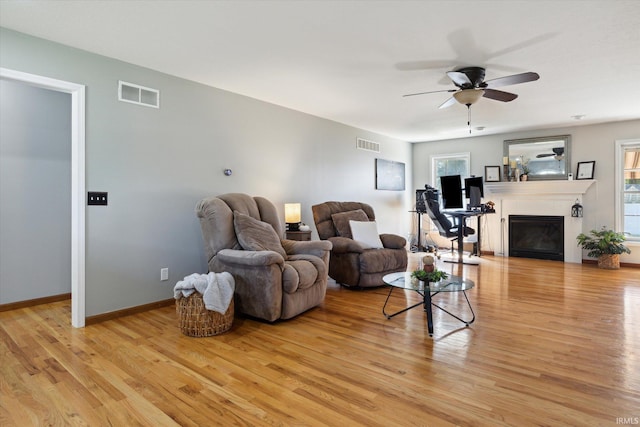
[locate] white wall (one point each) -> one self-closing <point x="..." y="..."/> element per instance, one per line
<point x="35" y="192"/>
<point x="591" y="142"/>
<point x="156" y="165"/>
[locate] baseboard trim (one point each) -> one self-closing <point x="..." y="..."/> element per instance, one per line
<point x="33" y="302"/>
<point x="622" y="264"/>
<point x="92" y="320"/>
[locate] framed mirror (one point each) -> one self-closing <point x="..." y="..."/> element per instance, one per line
<point x="544" y="158"/>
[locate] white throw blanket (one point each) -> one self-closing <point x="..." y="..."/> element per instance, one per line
<point x="216" y="289"/>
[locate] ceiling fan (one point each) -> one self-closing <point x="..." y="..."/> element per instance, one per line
<point x="471" y="86"/>
<point x="558" y="153"/>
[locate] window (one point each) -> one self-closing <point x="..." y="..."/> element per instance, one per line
<point x="628" y="188"/>
<point x="449" y="164"/>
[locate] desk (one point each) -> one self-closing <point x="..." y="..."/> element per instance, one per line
<point x="461" y="216"/>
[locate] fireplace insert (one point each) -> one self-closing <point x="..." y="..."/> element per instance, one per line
<point x="536" y="236"/>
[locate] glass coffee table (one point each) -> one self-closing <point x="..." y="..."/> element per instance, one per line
<point x="452" y="283"/>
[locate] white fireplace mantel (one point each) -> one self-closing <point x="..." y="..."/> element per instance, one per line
<point x="535" y="198"/>
<point x="543" y="188"/>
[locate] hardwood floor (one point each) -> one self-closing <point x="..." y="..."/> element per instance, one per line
<point x="553" y="344"/>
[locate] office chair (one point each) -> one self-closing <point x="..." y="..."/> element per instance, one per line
<point x="444" y="225"/>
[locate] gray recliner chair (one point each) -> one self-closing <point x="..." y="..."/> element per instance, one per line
<point x="351" y="264"/>
<point x="274" y="278"/>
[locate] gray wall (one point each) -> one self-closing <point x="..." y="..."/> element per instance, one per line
<point x="35" y="192"/>
<point x="592" y="142"/>
<point x="156" y="164"/>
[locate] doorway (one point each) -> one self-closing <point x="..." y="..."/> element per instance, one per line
<point x="77" y="93"/>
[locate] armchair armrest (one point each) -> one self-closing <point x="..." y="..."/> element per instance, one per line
<point x="345" y="245"/>
<point x="458" y="221"/>
<point x="249" y="258"/>
<point x="393" y="241"/>
<point x="315" y="247"/>
<point x="258" y="277"/>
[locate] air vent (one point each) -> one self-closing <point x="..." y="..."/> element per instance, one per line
<point x="136" y="94"/>
<point x="363" y="144"/>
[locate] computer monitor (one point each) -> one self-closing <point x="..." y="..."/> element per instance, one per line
<point x="451" y="186"/>
<point x="474" y="191"/>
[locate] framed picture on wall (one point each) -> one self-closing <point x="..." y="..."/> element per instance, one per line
<point x="585" y="170"/>
<point x="389" y="175"/>
<point x="492" y="173"/>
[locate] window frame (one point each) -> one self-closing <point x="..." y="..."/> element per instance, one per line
<point x="449" y="156"/>
<point x="620" y="147"/>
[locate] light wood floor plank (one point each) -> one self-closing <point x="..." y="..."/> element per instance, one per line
<point x="553" y="344"/>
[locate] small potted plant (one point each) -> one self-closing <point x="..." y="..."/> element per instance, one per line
<point x="429" y="276"/>
<point x="606" y="245"/>
<point x="525" y="169"/>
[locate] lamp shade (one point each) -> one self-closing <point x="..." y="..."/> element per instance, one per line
<point x="468" y="96"/>
<point x="292" y="213"/>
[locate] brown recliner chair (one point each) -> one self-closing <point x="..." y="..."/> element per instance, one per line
<point x="274" y="278"/>
<point x="350" y="264"/>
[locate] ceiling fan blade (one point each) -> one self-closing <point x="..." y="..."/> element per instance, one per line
<point x="459" y="79"/>
<point x="499" y="95"/>
<point x="512" y="80"/>
<point x="448" y="103"/>
<point x="433" y="91"/>
<point x="539" y="156"/>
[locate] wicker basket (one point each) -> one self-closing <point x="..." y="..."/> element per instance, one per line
<point x="197" y="321"/>
<point x="609" y="261"/>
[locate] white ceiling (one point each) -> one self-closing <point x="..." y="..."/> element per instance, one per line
<point x="351" y="61"/>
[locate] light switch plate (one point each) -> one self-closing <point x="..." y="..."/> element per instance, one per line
<point x="97" y="198"/>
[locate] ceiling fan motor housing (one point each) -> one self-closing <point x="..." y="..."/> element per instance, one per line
<point x="475" y="75"/>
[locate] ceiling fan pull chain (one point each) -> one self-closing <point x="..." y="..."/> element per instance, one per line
<point x="469" y="117"/>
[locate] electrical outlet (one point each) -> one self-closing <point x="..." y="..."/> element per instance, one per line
<point x="164" y="274"/>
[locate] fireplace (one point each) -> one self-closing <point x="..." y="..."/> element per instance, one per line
<point x="536" y="236"/>
<point x="536" y="198"/>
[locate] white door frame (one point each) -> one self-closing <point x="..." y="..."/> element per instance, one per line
<point x="77" y="93"/>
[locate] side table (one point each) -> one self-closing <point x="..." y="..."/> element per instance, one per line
<point x="303" y="236"/>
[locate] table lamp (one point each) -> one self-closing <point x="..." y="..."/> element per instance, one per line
<point x="292" y="216"/>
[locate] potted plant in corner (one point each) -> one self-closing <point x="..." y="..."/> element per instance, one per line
<point x="606" y="245"/>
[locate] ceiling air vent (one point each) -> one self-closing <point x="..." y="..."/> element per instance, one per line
<point x="136" y="94"/>
<point x="363" y="144"/>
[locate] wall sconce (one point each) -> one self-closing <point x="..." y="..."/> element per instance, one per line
<point x="292" y="216"/>
<point x="576" y="209"/>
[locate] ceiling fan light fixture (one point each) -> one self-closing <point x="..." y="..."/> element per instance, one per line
<point x="468" y="96"/>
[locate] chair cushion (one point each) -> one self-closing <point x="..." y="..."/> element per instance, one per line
<point x="298" y="274"/>
<point x="382" y="260"/>
<point x="255" y="235"/>
<point x="366" y="233"/>
<point x="341" y="221"/>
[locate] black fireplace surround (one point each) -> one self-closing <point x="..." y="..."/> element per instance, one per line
<point x="536" y="236"/>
